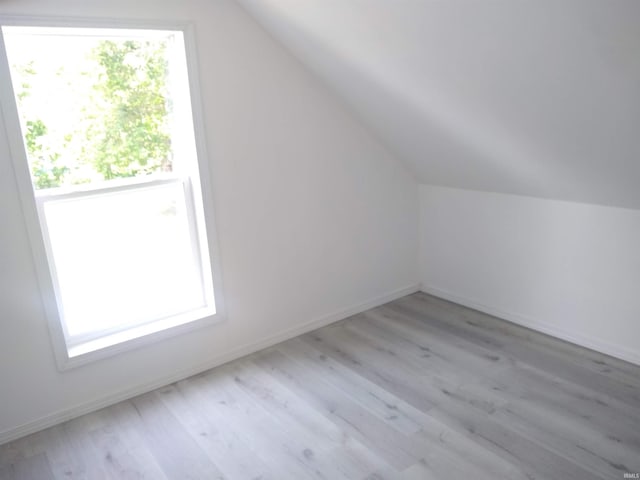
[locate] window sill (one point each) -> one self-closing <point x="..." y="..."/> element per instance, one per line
<point x="116" y="343"/>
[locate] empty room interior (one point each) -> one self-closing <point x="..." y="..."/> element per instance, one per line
<point x="324" y="240"/>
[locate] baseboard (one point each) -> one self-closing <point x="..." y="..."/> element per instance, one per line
<point x="622" y="353"/>
<point x="233" y="354"/>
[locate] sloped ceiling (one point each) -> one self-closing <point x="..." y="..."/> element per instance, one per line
<point x="531" y="97"/>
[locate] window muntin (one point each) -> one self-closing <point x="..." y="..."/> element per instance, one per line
<point x="122" y="219"/>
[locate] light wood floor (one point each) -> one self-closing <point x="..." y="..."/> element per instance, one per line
<point x="417" y="389"/>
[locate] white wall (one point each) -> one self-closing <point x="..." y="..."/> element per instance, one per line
<point x="315" y="220"/>
<point x="568" y="269"/>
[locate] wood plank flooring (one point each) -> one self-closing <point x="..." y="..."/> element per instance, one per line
<point x="419" y="388"/>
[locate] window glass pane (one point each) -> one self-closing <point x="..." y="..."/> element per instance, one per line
<point x="123" y="258"/>
<point x="95" y="105"/>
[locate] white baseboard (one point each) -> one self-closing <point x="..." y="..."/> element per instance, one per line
<point x="622" y="353"/>
<point x="238" y="352"/>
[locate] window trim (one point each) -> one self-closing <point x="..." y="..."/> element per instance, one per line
<point x="70" y="356"/>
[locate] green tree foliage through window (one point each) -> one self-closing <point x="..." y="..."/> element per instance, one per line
<point x="45" y="169"/>
<point x="133" y="137"/>
<point x="121" y="127"/>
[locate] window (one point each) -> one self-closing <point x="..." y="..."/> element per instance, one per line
<point x="115" y="183"/>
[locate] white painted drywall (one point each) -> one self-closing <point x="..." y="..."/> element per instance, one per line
<point x="530" y="97"/>
<point x="315" y="219"/>
<point x="568" y="269"/>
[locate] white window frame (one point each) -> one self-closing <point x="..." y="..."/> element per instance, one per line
<point x="105" y="345"/>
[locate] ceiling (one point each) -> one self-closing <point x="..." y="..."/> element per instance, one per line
<point x="530" y="97"/>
